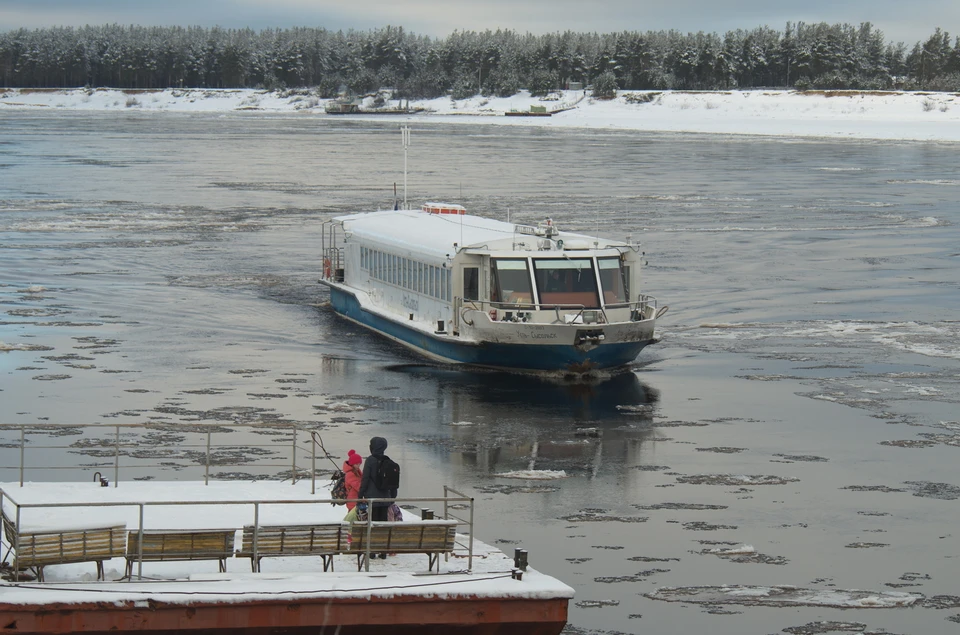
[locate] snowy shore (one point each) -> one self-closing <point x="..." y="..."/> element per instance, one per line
<point x="836" y="114"/>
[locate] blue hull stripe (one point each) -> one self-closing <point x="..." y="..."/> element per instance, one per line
<point x="514" y="356"/>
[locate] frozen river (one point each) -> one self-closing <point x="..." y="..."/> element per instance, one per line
<point x="797" y="426"/>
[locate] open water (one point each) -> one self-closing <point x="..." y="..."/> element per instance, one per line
<point x="783" y="461"/>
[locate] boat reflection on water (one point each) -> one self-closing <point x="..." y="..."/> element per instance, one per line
<point x="492" y="422"/>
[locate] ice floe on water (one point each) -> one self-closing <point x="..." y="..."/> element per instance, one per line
<point x="534" y="475"/>
<point x="6" y="348"/>
<point x="742" y="549"/>
<point x="736" y="479"/>
<point x="339" y="406"/>
<point x="784" y="596"/>
<point x="935" y="339"/>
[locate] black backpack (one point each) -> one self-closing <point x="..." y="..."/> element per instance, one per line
<point x="338" y="491"/>
<point x="387" y="476"/>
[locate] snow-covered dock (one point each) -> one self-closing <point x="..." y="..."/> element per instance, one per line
<point x="288" y="595"/>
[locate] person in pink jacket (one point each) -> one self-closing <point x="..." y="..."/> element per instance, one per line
<point x="352" y="473"/>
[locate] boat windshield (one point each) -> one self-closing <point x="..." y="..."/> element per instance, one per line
<point x="566" y="282"/>
<point x="614" y="279"/>
<point x="511" y="281"/>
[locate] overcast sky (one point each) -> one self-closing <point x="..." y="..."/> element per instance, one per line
<point x="900" y="20"/>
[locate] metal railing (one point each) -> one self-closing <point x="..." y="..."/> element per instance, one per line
<point x="126" y="448"/>
<point x="449" y="503"/>
<point x="639" y="309"/>
<point x="332" y="254"/>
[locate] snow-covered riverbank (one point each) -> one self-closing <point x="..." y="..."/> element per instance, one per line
<point x="849" y="114"/>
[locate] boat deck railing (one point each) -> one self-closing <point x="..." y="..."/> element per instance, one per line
<point x="452" y="501"/>
<point x="332" y="251"/>
<point x="643" y="308"/>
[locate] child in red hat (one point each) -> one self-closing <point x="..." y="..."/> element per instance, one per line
<point x="352" y="471"/>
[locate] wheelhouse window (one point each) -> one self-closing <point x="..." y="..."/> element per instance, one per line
<point x="614" y="280"/>
<point x="511" y="281"/>
<point x="566" y="282"/>
<point x="471" y="283"/>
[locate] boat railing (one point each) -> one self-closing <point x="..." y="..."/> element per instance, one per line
<point x="451" y="500"/>
<point x="333" y="264"/>
<point x="644" y="307"/>
<point x="331" y="250"/>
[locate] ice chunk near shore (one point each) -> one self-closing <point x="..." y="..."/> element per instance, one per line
<point x="534" y="475"/>
<point x="742" y="549"/>
<point x="783" y="596"/>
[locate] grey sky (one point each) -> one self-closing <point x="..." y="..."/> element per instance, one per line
<point x="900" y="21"/>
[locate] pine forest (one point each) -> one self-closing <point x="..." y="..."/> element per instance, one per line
<point x="801" y="56"/>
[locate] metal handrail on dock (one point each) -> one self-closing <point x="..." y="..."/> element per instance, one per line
<point x="108" y="442"/>
<point x="448" y="504"/>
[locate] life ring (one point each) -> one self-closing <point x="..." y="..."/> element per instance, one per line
<point x="326" y="268"/>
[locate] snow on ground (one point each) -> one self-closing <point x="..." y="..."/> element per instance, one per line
<point x="231" y="505"/>
<point x="844" y="114"/>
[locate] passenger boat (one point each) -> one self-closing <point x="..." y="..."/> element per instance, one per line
<point x="460" y="288"/>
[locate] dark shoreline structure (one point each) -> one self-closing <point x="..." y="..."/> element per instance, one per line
<point x="801" y="56"/>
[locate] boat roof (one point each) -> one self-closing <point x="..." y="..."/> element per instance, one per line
<point x="442" y="235"/>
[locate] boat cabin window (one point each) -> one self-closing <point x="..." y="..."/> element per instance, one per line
<point x="614" y="280"/>
<point x="510" y="281"/>
<point x="471" y="283"/>
<point x="566" y="282"/>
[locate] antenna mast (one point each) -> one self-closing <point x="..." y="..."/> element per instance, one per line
<point x="405" y="135"/>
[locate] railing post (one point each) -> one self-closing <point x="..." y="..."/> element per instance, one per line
<point x="16" y="547"/>
<point x="206" y="472"/>
<point x="22" y="448"/>
<point x="140" y="546"/>
<point x="446" y="516"/>
<point x="293" y="453"/>
<point x="116" y="458"/>
<point x="313" y="467"/>
<point x="470" y="556"/>
<point x="446" y="493"/>
<point x="256" y="534"/>
<point x="369" y="530"/>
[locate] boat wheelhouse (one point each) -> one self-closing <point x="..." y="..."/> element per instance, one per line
<point x="460" y="288"/>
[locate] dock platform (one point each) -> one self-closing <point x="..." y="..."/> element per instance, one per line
<point x="288" y="595"/>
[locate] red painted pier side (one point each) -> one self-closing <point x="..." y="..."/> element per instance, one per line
<point x="421" y="616"/>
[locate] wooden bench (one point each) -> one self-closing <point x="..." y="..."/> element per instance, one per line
<point x="37" y="549"/>
<point x="324" y="540"/>
<point x="432" y="537"/>
<point x="180" y="544"/>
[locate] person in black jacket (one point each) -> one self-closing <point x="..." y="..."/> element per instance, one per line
<point x="368" y="485"/>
